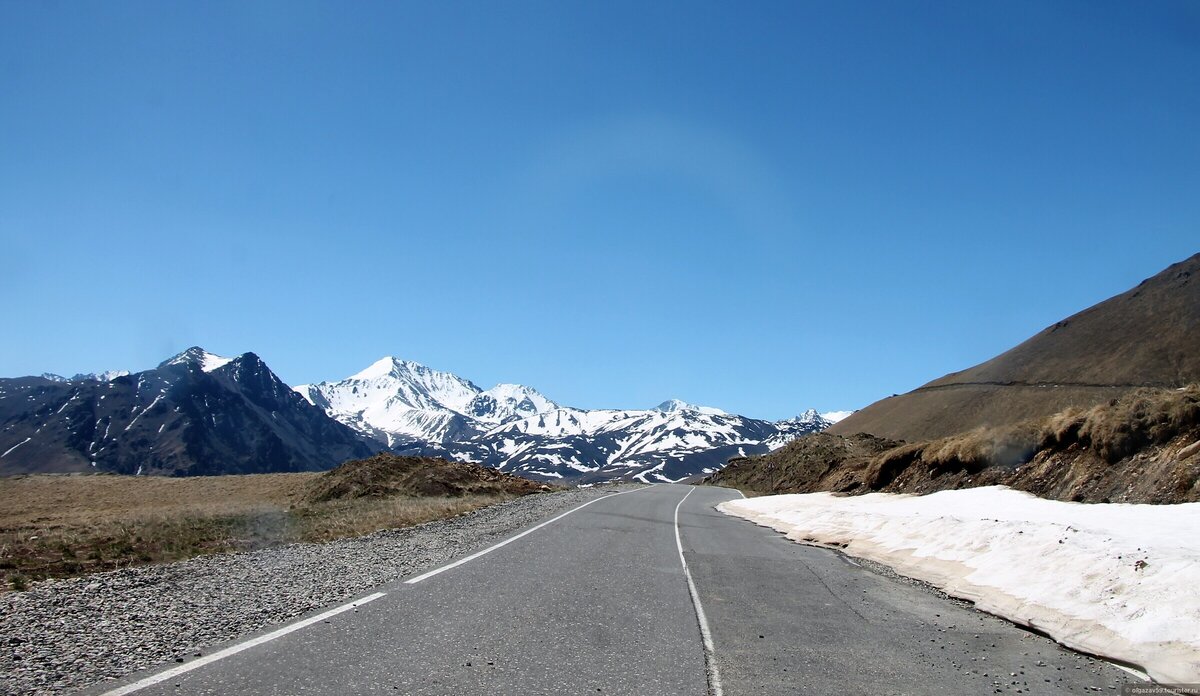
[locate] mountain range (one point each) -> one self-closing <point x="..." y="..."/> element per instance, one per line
<point x="194" y="414"/>
<point x="200" y="413"/>
<point x="412" y="409"/>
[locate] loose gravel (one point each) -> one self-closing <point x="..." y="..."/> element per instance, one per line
<point x="63" y="635"/>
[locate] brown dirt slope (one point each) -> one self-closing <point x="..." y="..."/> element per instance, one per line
<point x="388" y="475"/>
<point x="1146" y="337"/>
<point x="817" y="462"/>
<point x="1141" y="448"/>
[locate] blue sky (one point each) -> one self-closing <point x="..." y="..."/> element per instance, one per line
<point x="761" y="207"/>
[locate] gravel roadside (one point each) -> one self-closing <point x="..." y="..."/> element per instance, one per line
<point x="62" y="635"/>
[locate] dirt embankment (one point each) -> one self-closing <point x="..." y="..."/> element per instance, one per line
<point x="1141" y="448"/>
<point x="389" y="475"/>
<point x="817" y="462"/>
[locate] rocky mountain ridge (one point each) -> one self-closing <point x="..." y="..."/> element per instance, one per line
<point x="196" y="413"/>
<point x="201" y="413"/>
<point x="414" y="409"/>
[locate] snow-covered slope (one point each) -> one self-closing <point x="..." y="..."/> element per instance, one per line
<point x="106" y="376"/>
<point x="836" y="416"/>
<point x="412" y="408"/>
<point x="672" y="405"/>
<point x="403" y="403"/>
<point x="198" y="356"/>
<point x="808" y="422"/>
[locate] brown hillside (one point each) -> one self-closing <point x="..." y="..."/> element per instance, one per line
<point x="816" y="462"/>
<point x="1142" y="448"/>
<point x="1146" y="337"/>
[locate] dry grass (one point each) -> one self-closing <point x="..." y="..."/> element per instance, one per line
<point x="58" y="525"/>
<point x="1140" y="448"/>
<point x="1122" y="427"/>
<point x="1115" y="431"/>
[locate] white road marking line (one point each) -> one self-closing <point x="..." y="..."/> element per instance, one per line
<point x="235" y="649"/>
<point x="1135" y="672"/>
<point x="710" y="652"/>
<point x="477" y="554"/>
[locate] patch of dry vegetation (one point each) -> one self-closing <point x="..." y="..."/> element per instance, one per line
<point x="387" y="475"/>
<point x="1142" y="448"/>
<point x="1098" y="445"/>
<point x="64" y="525"/>
<point x="816" y="462"/>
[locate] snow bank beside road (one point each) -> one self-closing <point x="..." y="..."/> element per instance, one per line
<point x="1117" y="580"/>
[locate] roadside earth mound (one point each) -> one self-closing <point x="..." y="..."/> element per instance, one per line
<point x="389" y="475"/>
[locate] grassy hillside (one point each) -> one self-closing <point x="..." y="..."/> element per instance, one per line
<point x="1141" y="448"/>
<point x="1146" y="337"/>
<point x="61" y="525"/>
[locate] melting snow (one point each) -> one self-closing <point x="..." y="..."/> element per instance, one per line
<point x="1112" y="579"/>
<point x="836" y="416"/>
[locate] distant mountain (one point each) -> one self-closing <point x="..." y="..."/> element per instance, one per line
<point x="675" y="405"/>
<point x="404" y="404"/>
<point x="413" y="409"/>
<point x="1146" y="337"/>
<point x="196" y="413"/>
<point x="201" y="413"/>
<point x="106" y="376"/>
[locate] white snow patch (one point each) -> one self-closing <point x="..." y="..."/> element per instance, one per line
<point x="836" y="416"/>
<point x="1117" y="580"/>
<point x="673" y="405"/>
<point x="135" y="418"/>
<point x="10" y="449"/>
<point x="208" y="361"/>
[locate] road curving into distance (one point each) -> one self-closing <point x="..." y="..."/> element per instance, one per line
<point x="598" y="600"/>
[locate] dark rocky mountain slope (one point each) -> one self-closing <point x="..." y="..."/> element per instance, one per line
<point x="194" y="414"/>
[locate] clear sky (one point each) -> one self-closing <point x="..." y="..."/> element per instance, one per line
<point x="760" y="206"/>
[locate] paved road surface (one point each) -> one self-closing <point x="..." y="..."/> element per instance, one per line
<point x="597" y="602"/>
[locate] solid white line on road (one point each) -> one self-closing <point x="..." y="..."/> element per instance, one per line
<point x="235" y="649"/>
<point x="1135" y="672"/>
<point x="710" y="652"/>
<point x="477" y="554"/>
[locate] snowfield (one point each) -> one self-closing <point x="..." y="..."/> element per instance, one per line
<point x="1117" y="580"/>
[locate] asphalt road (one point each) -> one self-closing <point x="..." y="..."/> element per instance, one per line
<point x="598" y="602"/>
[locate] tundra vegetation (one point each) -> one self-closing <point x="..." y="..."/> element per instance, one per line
<point x="64" y="525"/>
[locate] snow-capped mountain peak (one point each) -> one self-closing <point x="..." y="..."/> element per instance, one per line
<point x="809" y="416"/>
<point x="673" y="405"/>
<point x="198" y="356"/>
<point x="412" y="408"/>
<point x="400" y="400"/>
<point x="408" y="384"/>
<point x="504" y="402"/>
<point x="106" y="376"/>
